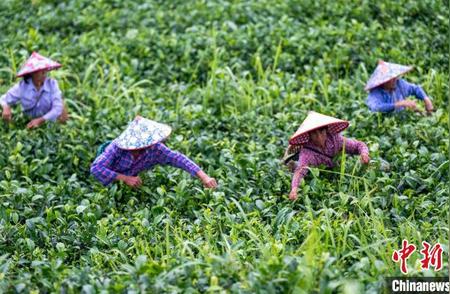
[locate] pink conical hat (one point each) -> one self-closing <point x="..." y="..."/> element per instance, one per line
<point x="385" y="72"/>
<point x="316" y="121"/>
<point x="35" y="63"/>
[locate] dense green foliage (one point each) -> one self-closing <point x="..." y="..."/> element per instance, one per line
<point x="234" y="80"/>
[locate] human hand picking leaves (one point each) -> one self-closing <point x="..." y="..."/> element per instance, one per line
<point x="410" y="104"/>
<point x="365" y="158"/>
<point x="130" y="181"/>
<point x="35" y="123"/>
<point x="207" y="181"/>
<point x="293" y="195"/>
<point x="7" y="114"/>
<point x="428" y="105"/>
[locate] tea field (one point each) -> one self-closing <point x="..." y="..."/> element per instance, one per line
<point x="234" y="79"/>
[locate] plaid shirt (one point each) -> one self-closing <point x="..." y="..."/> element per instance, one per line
<point x="310" y="155"/>
<point x="114" y="160"/>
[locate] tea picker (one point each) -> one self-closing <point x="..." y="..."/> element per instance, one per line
<point x="389" y="93"/>
<point x="317" y="141"/>
<point x="39" y="95"/>
<point x="139" y="148"/>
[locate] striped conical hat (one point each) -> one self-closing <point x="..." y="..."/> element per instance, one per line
<point x="316" y="121"/>
<point x="35" y="63"/>
<point x="385" y="72"/>
<point x="142" y="133"/>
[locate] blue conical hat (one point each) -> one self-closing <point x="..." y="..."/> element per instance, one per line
<point x="142" y="133"/>
<point x="385" y="72"/>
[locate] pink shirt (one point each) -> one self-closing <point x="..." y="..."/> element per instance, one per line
<point x="311" y="155"/>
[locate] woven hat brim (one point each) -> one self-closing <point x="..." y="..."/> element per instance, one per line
<point x="35" y="63"/>
<point x="333" y="128"/>
<point x="142" y="134"/>
<point x="380" y="82"/>
<point x="49" y="68"/>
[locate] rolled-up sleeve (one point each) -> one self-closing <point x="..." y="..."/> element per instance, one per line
<point x="13" y="95"/>
<point x="175" y="159"/>
<point x="376" y="103"/>
<point x="101" y="168"/>
<point x="57" y="103"/>
<point x="413" y="90"/>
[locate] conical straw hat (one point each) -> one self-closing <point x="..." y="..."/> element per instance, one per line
<point x="35" y="63"/>
<point x="316" y="121"/>
<point x="385" y="72"/>
<point x="142" y="133"/>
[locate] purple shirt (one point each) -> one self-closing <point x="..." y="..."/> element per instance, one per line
<point x="311" y="155"/>
<point x="384" y="101"/>
<point x="47" y="102"/>
<point x="114" y="160"/>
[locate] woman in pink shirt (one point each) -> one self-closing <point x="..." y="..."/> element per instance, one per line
<point x="316" y="142"/>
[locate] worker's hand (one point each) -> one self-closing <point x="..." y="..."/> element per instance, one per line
<point x="35" y="123"/>
<point x="428" y="105"/>
<point x="293" y="195"/>
<point x="134" y="182"/>
<point x="365" y="158"/>
<point x="7" y="114"/>
<point x="207" y="181"/>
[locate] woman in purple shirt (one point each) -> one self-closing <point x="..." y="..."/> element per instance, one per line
<point x="39" y="95"/>
<point x="140" y="148"/>
<point x="316" y="142"/>
<point x="388" y="93"/>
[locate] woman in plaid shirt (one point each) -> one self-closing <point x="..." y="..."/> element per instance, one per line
<point x="139" y="148"/>
<point x="317" y="141"/>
